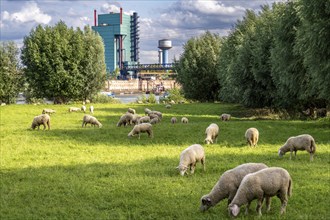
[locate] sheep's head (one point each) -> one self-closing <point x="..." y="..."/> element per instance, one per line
<point x="206" y="203"/>
<point x="233" y="210"/>
<point x="208" y="141"/>
<point x="33" y="126"/>
<point x="183" y="169"/>
<point x="280" y="153"/>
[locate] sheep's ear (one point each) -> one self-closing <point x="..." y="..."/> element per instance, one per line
<point x="206" y="201"/>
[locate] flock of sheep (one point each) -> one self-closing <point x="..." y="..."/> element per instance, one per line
<point x="240" y="185"/>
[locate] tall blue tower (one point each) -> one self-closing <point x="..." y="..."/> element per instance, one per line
<point x="165" y="45"/>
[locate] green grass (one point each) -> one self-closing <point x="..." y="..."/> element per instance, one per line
<point x="71" y="172"/>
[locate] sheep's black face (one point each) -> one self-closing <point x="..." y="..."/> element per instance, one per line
<point x="280" y="153"/>
<point x="206" y="204"/>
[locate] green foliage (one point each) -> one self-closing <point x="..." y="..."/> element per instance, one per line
<point x="196" y="67"/>
<point x="11" y="77"/>
<point x="152" y="98"/>
<point x="71" y="172"/>
<point x="101" y="98"/>
<point x="62" y="63"/>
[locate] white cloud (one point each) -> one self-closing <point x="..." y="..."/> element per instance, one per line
<point x="29" y="13"/>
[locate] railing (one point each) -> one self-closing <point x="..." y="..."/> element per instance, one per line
<point x="138" y="67"/>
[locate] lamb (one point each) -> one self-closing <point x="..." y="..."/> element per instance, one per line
<point x="83" y="108"/>
<point x="131" y="110"/>
<point x="125" y="119"/>
<point x="91" y="120"/>
<point x="184" y="120"/>
<point x="227" y="185"/>
<point x="189" y="157"/>
<point x="141" y="128"/>
<point x="91" y="109"/>
<point x="43" y="119"/>
<point x="74" y="109"/>
<point x="266" y="183"/>
<point x="225" y="117"/>
<point x="154" y="120"/>
<point x="144" y="119"/>
<point x="173" y="120"/>
<point x="252" y="136"/>
<point x="211" y="132"/>
<point x="48" y="111"/>
<point x="301" y="142"/>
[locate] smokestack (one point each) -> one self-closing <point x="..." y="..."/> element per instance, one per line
<point x="94" y="17"/>
<point x="121" y="15"/>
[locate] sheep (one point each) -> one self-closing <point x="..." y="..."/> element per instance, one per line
<point x="48" y="111"/>
<point x="173" y="120"/>
<point x="147" y="111"/>
<point x="144" y="119"/>
<point x="43" y="119"/>
<point x="74" y="109"/>
<point x="265" y="183"/>
<point x="136" y="119"/>
<point x="125" y="119"/>
<point x="184" y="120"/>
<point x="83" y="108"/>
<point x="211" y="132"/>
<point x="252" y="136"/>
<point x="151" y="115"/>
<point x="91" y="120"/>
<point x="301" y="142"/>
<point x="131" y="110"/>
<point x="228" y="183"/>
<point x="159" y="114"/>
<point x="189" y="157"/>
<point x="168" y="106"/>
<point x="141" y="128"/>
<point x="154" y="120"/>
<point x="91" y="109"/>
<point x="225" y="117"/>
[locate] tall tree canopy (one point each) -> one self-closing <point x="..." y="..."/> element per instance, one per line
<point x="197" y="67"/>
<point x="11" y="77"/>
<point x="63" y="63"/>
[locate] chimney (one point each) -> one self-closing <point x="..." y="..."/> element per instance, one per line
<point x="121" y="15"/>
<point x="94" y="17"/>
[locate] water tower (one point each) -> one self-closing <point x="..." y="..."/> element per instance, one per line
<point x="165" y="45"/>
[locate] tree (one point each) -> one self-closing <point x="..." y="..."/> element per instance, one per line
<point x="196" y="67"/>
<point x="11" y="77"/>
<point x="62" y="63"/>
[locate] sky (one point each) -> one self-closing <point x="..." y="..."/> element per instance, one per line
<point x="177" y="20"/>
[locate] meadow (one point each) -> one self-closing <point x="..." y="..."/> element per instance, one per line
<point x="70" y="172"/>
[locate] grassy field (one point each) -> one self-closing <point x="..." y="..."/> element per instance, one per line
<point x="71" y="172"/>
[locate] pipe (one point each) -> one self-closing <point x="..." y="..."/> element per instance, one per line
<point x="121" y="15"/>
<point x="94" y="17"/>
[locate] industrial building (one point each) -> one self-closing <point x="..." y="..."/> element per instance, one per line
<point x="120" y="34"/>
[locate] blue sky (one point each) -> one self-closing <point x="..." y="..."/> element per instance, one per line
<point x="177" y="20"/>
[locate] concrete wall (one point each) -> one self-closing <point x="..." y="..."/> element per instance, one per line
<point x="135" y="85"/>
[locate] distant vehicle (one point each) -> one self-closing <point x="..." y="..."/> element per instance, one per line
<point x="109" y="94"/>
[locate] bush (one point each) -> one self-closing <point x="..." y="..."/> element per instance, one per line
<point x="152" y="98"/>
<point x="100" y="98"/>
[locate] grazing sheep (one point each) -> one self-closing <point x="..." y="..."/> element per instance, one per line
<point x="211" y="132"/>
<point x="152" y="116"/>
<point x="266" y="183"/>
<point x="154" y="120"/>
<point x="136" y="119"/>
<point x="83" y="108"/>
<point x="43" y="119"/>
<point x="189" y="157"/>
<point x="91" y="109"/>
<point x="252" y="136"/>
<point x="131" y="110"/>
<point x="74" y="109"/>
<point x="141" y="128"/>
<point x="184" y="120"/>
<point x="88" y="119"/>
<point x="227" y="185"/>
<point x="173" y="120"/>
<point x="301" y="142"/>
<point x="225" y="117"/>
<point x="48" y="111"/>
<point x="147" y="111"/>
<point x="125" y="119"/>
<point x="144" y="119"/>
<point x="159" y="114"/>
<point x="168" y="106"/>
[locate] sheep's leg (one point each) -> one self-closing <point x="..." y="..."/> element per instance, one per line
<point x="284" y="200"/>
<point x="290" y="154"/>
<point x="247" y="208"/>
<point x="259" y="205"/>
<point x="268" y="202"/>
<point x="311" y="156"/>
<point x="139" y="135"/>
<point x="192" y="168"/>
<point x="203" y="163"/>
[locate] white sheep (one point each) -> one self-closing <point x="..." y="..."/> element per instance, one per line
<point x="144" y="119"/>
<point x="154" y="120"/>
<point x="91" y="109"/>
<point x="227" y="185"/>
<point x="88" y="119"/>
<point x="189" y="157"/>
<point x="301" y="142"/>
<point x="152" y="116"/>
<point x="83" y="108"/>
<point x="159" y="114"/>
<point x="184" y="120"/>
<point x="173" y="120"/>
<point x="131" y="110"/>
<point x="168" y="106"/>
<point x="43" y="119"/>
<point x="212" y="132"/>
<point x="141" y="128"/>
<point x="74" y="109"/>
<point x="136" y="119"/>
<point x="225" y="117"/>
<point x="252" y="136"/>
<point x="147" y="111"/>
<point x="48" y="111"/>
<point x="266" y="183"/>
<point x="125" y="119"/>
